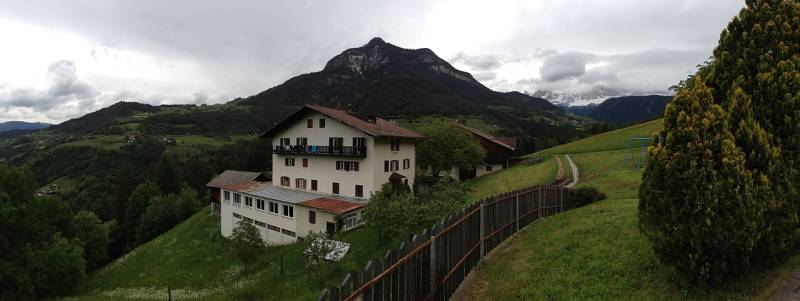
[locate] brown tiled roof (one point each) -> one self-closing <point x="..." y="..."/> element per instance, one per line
<point x="502" y="141"/>
<point x="381" y="127"/>
<point x="332" y="205"/>
<point x="232" y="177"/>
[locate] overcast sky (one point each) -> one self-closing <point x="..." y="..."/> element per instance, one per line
<point x="62" y="59"/>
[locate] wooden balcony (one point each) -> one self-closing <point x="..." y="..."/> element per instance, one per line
<point x="318" y="150"/>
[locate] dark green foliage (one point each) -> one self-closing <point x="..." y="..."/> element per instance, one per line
<point x="56" y="268"/>
<point x="36" y="257"/>
<point x="167" y="175"/>
<point x="446" y="147"/>
<point x="93" y="234"/>
<point x="720" y="193"/>
<point x="164" y="212"/>
<point x="583" y="196"/>
<point x="246" y="243"/>
<point x="697" y="204"/>
<point x="395" y="214"/>
<point x="96" y="120"/>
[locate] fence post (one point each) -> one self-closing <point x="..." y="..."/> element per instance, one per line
<point x="483" y="229"/>
<point x="539" y="201"/>
<point x="516" y="211"/>
<point x="433" y="261"/>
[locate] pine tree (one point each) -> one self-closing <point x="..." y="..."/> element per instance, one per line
<point x="756" y="76"/>
<point x="696" y="205"/>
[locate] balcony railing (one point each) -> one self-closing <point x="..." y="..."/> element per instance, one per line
<point x="319" y="150"/>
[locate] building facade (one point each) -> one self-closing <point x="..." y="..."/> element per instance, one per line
<point x="326" y="164"/>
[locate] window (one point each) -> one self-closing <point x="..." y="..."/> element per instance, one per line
<point x="288" y="211"/>
<point x="284" y="181"/>
<point x="237" y="198"/>
<point x="273" y="207"/>
<point x="273" y="228"/>
<point x="335" y="143"/>
<point x="359" y="141"/>
<point x="305" y="162"/>
<point x="350" y="221"/>
<point x="312" y="217"/>
<point x="300" y="183"/>
<point x="488" y="168"/>
<point x="322" y="123"/>
<point x="302" y="141"/>
<point x="406" y="163"/>
<point x="236" y="215"/>
<point x="347" y="165"/>
<point x="289" y="161"/>
<point x="314" y="185"/>
<point x="287" y="232"/>
<point x="285" y="142"/>
<point x="227" y="195"/>
<point x="335" y="189"/>
<point x="360" y="191"/>
<point x="260" y="204"/>
<point x="395" y="165"/>
<point x="261" y="224"/>
<point x="386" y="166"/>
<point x="395" y="144"/>
<point x="248" y="201"/>
<point x="310" y="123"/>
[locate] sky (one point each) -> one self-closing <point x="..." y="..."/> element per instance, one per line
<point x="63" y="59"/>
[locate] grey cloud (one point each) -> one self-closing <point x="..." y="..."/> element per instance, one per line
<point x="63" y="86"/>
<point x="485" y="76"/>
<point x="478" y="62"/>
<point x="563" y="66"/>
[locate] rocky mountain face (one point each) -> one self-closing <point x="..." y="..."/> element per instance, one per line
<point x="383" y="78"/>
<point x="595" y="95"/>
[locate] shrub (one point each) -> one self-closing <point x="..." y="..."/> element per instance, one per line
<point x="695" y="204"/>
<point x="583" y="196"/>
<point x="246" y="242"/>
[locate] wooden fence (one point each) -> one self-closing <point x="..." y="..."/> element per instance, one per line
<point x="433" y="264"/>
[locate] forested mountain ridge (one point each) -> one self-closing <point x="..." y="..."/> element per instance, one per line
<point x="620" y="111"/>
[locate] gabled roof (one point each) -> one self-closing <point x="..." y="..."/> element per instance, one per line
<point x="507" y="142"/>
<point x="332" y="205"/>
<point x="380" y="128"/>
<point x="229" y="177"/>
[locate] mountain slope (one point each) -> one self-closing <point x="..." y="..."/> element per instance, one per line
<point x="414" y="76"/>
<point x="21" y="125"/>
<point x="625" y="110"/>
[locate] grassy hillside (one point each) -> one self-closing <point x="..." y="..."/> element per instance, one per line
<point x="606" y="141"/>
<point x="194" y="260"/>
<point x="597" y="252"/>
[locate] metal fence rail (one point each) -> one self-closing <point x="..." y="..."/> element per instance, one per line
<point x="433" y="264"/>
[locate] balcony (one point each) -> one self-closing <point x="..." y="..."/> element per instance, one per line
<point x="318" y="150"/>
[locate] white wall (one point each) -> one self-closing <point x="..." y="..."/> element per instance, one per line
<point x="228" y="222"/>
<point x="371" y="174"/>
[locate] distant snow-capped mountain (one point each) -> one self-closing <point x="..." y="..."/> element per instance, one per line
<point x="595" y="95"/>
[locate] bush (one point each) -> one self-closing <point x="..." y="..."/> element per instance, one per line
<point x="246" y="243"/>
<point x="396" y="214"/>
<point x="696" y="204"/>
<point x="583" y="196"/>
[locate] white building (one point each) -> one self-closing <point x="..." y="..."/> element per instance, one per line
<point x="326" y="164"/>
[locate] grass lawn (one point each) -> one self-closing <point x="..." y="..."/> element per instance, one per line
<point x="102" y="142"/>
<point x="597" y="252"/>
<point x="515" y="177"/>
<point x="65" y="184"/>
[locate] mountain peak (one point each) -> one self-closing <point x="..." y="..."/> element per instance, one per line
<point x="376" y="41"/>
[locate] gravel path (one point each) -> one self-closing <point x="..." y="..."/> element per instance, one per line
<point x="575" y="174"/>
